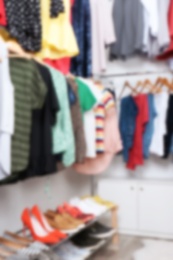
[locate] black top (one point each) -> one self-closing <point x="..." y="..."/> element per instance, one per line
<point x="169" y="126"/>
<point x="42" y="160"/>
<point x="24" y="22"/>
<point x="56" y="7"/>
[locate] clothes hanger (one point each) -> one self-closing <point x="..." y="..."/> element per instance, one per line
<point x="147" y="84"/>
<point x="127" y="85"/>
<point x="167" y="83"/>
<point x="16" y="51"/>
<point x="156" y="87"/>
<point x="24" y="240"/>
<point x="40" y="61"/>
<point x="160" y="83"/>
<point x="138" y="85"/>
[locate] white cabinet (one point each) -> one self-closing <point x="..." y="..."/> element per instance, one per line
<point x="113" y="191"/>
<point x="145" y="207"/>
<point x="156" y="207"/>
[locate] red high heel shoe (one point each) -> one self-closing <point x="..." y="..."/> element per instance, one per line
<point x="41" y="218"/>
<point x="37" y="231"/>
<point x="75" y="212"/>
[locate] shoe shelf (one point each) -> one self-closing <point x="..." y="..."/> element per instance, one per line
<point x="115" y="237"/>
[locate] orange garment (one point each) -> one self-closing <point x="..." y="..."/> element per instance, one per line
<point x="169" y="52"/>
<point x="62" y="64"/>
<point x="136" y="152"/>
<point x="113" y="145"/>
<point x="3" y="18"/>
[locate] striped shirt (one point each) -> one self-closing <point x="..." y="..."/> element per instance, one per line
<point x="100" y="113"/>
<point x="30" y="91"/>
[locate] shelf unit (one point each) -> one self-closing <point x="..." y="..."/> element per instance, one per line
<point x="114" y="239"/>
<point x="113" y="212"/>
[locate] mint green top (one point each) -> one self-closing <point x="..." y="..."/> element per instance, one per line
<point x="63" y="137"/>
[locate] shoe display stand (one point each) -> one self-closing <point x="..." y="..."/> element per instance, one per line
<point x="114" y="239"/>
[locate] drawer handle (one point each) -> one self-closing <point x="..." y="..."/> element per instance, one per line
<point x="132" y="188"/>
<point x="141" y="189"/>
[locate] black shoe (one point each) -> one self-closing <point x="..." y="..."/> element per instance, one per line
<point x="100" y="231"/>
<point x="83" y="240"/>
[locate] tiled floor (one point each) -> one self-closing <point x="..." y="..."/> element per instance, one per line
<point x="128" y="245"/>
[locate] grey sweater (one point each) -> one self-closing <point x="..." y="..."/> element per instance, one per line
<point x="129" y="23"/>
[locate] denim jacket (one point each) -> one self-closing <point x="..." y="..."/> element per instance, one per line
<point x="127" y="124"/>
<point x="81" y="17"/>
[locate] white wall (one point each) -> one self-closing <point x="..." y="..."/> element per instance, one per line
<point x="47" y="192"/>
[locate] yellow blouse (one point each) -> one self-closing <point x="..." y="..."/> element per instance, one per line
<point x="58" y="38"/>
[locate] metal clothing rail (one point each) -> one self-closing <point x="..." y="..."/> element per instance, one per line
<point x="135" y="74"/>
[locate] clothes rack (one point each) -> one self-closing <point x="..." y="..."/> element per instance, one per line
<point x="136" y="74"/>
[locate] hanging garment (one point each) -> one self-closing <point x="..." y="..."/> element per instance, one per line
<point x="112" y="146"/>
<point x="128" y="114"/>
<point x="156" y="30"/>
<point x="129" y="24"/>
<point x="105" y="103"/>
<point x="170" y="63"/>
<point x="63" y="64"/>
<point x="103" y="33"/>
<point x="56" y="7"/>
<point x="78" y="127"/>
<point x="41" y="160"/>
<point x="24" y="23"/>
<point x="157" y="143"/>
<point x="163" y="34"/>
<point x="169" y="128"/>
<point x="58" y="39"/>
<point x="169" y="51"/>
<point x="153" y="16"/>
<point x="82" y="64"/>
<point x="151" y="27"/>
<point x="6" y="113"/>
<point x="149" y="129"/>
<point x="30" y="92"/>
<point x="71" y="95"/>
<point x="136" y="152"/>
<point x="63" y="137"/>
<point x="88" y="99"/>
<point x="3" y="18"/>
<point x="171" y="148"/>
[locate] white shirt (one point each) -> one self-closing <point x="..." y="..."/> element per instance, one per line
<point x="151" y="26"/>
<point x="151" y="6"/>
<point x="90" y="121"/>
<point x="103" y="32"/>
<point x="90" y="134"/>
<point x="157" y="144"/>
<point x="6" y="113"/>
<point x="163" y="35"/>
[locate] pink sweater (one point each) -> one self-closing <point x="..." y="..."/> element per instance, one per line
<point x="113" y="145"/>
